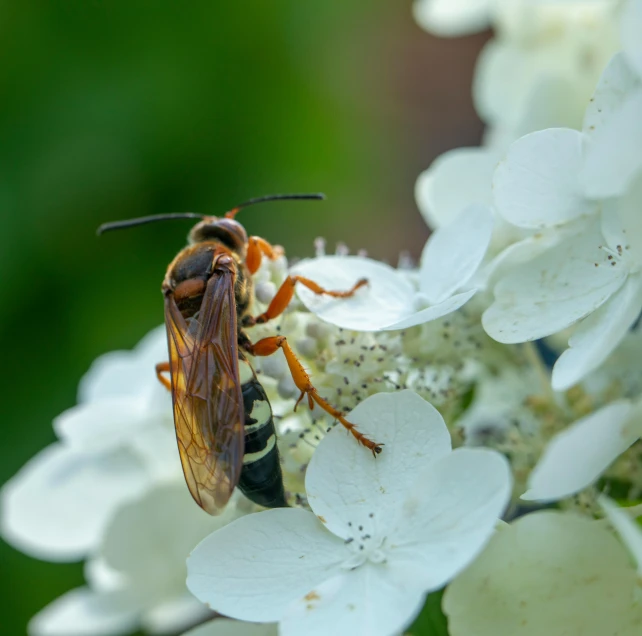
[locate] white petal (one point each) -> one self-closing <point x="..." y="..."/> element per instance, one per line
<point x="432" y="313"/>
<point x="549" y="573"/>
<point x="157" y="449"/>
<point x="345" y="483"/>
<point x="276" y="557"/>
<point x="227" y="627"/>
<point x="613" y="156"/>
<point x="369" y="601"/>
<point x="167" y="513"/>
<point x="101" y="577"/>
<point x="122" y="373"/>
<point x="629" y="531"/>
<point x="624" y="212"/>
<point x="454" y="252"/>
<point x="537" y="185"/>
<point x="451" y="18"/>
<point x="81" y="612"/>
<point x="555" y="100"/>
<point x="526" y="249"/>
<point x="454" y="180"/>
<point x="56" y="507"/>
<point x="577" y="456"/>
<point x="387" y="299"/>
<point x="174" y="614"/>
<point x="595" y="338"/>
<point x="450" y="514"/>
<point x="102" y="423"/>
<point x="615" y="85"/>
<point x="630" y="29"/>
<point x="556" y="289"/>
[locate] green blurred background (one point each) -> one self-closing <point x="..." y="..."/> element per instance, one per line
<point x="113" y="110"/>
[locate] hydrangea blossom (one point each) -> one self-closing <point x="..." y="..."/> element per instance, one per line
<point x="536" y="235"/>
<point x="137" y="576"/>
<point x="547" y="573"/>
<point x="382" y="533"/>
<point x="226" y="627"/>
<point x="630" y="532"/>
<point x="577" y="456"/>
<point x="113" y="445"/>
<point x="593" y="274"/>
<point x="449" y="261"/>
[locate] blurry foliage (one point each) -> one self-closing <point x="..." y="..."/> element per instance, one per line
<point x="113" y="110"/>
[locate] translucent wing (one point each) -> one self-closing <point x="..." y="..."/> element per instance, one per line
<point x="206" y="392"/>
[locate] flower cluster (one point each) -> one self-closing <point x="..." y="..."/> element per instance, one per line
<point x="514" y="341"/>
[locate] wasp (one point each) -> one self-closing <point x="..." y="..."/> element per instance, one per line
<point x="223" y="418"/>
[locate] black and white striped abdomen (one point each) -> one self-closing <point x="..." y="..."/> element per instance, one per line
<point x="261" y="478"/>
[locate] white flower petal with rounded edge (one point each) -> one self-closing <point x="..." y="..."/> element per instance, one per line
<point x="526" y="249"/>
<point x="452" y="18"/>
<point x="454" y="252"/>
<point x="100" y="577"/>
<point x="536" y="185"/>
<point x="169" y="514"/>
<point x="345" y="484"/>
<point x="622" y="224"/>
<point x="454" y="180"/>
<point x="595" y="337"/>
<point x="369" y="601"/>
<point x="507" y="76"/>
<point x="548" y="573"/>
<point x="630" y="532"/>
<point x="630" y="29"/>
<point x="613" y="158"/>
<point x="577" y="456"/>
<point x="387" y="299"/>
<point x="57" y="505"/>
<point x="174" y="614"/>
<point x="554" y="290"/>
<point x="555" y="101"/>
<point x="432" y="313"/>
<point x="228" y="627"/>
<point x="616" y="83"/>
<point x="102" y="423"/>
<point x="125" y="373"/>
<point x="157" y="449"/>
<point x="276" y="557"/>
<point x="450" y="514"/>
<point x="81" y="612"/>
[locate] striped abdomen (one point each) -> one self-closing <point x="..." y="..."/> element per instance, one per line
<point x="261" y="478"/>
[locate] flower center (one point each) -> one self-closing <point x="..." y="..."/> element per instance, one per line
<point x="364" y="543"/>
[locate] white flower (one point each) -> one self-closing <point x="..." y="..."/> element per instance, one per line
<point x="595" y="272"/>
<point x="227" y="627"/>
<point x="540" y="69"/>
<point x="449" y="261"/>
<point x="115" y="443"/>
<point x="137" y="576"/>
<point x="576" y="457"/>
<point x="453" y="17"/>
<point x="630" y="532"/>
<point x="630" y="28"/>
<point x="384" y="531"/>
<point x="455" y="180"/>
<point x="548" y="573"/>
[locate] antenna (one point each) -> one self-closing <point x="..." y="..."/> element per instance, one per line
<point x="315" y="196"/>
<point x="143" y="220"/>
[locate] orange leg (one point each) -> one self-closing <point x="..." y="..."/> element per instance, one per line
<point x="163" y="367"/>
<point x="268" y="346"/>
<point x="285" y="294"/>
<point x="256" y="249"/>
